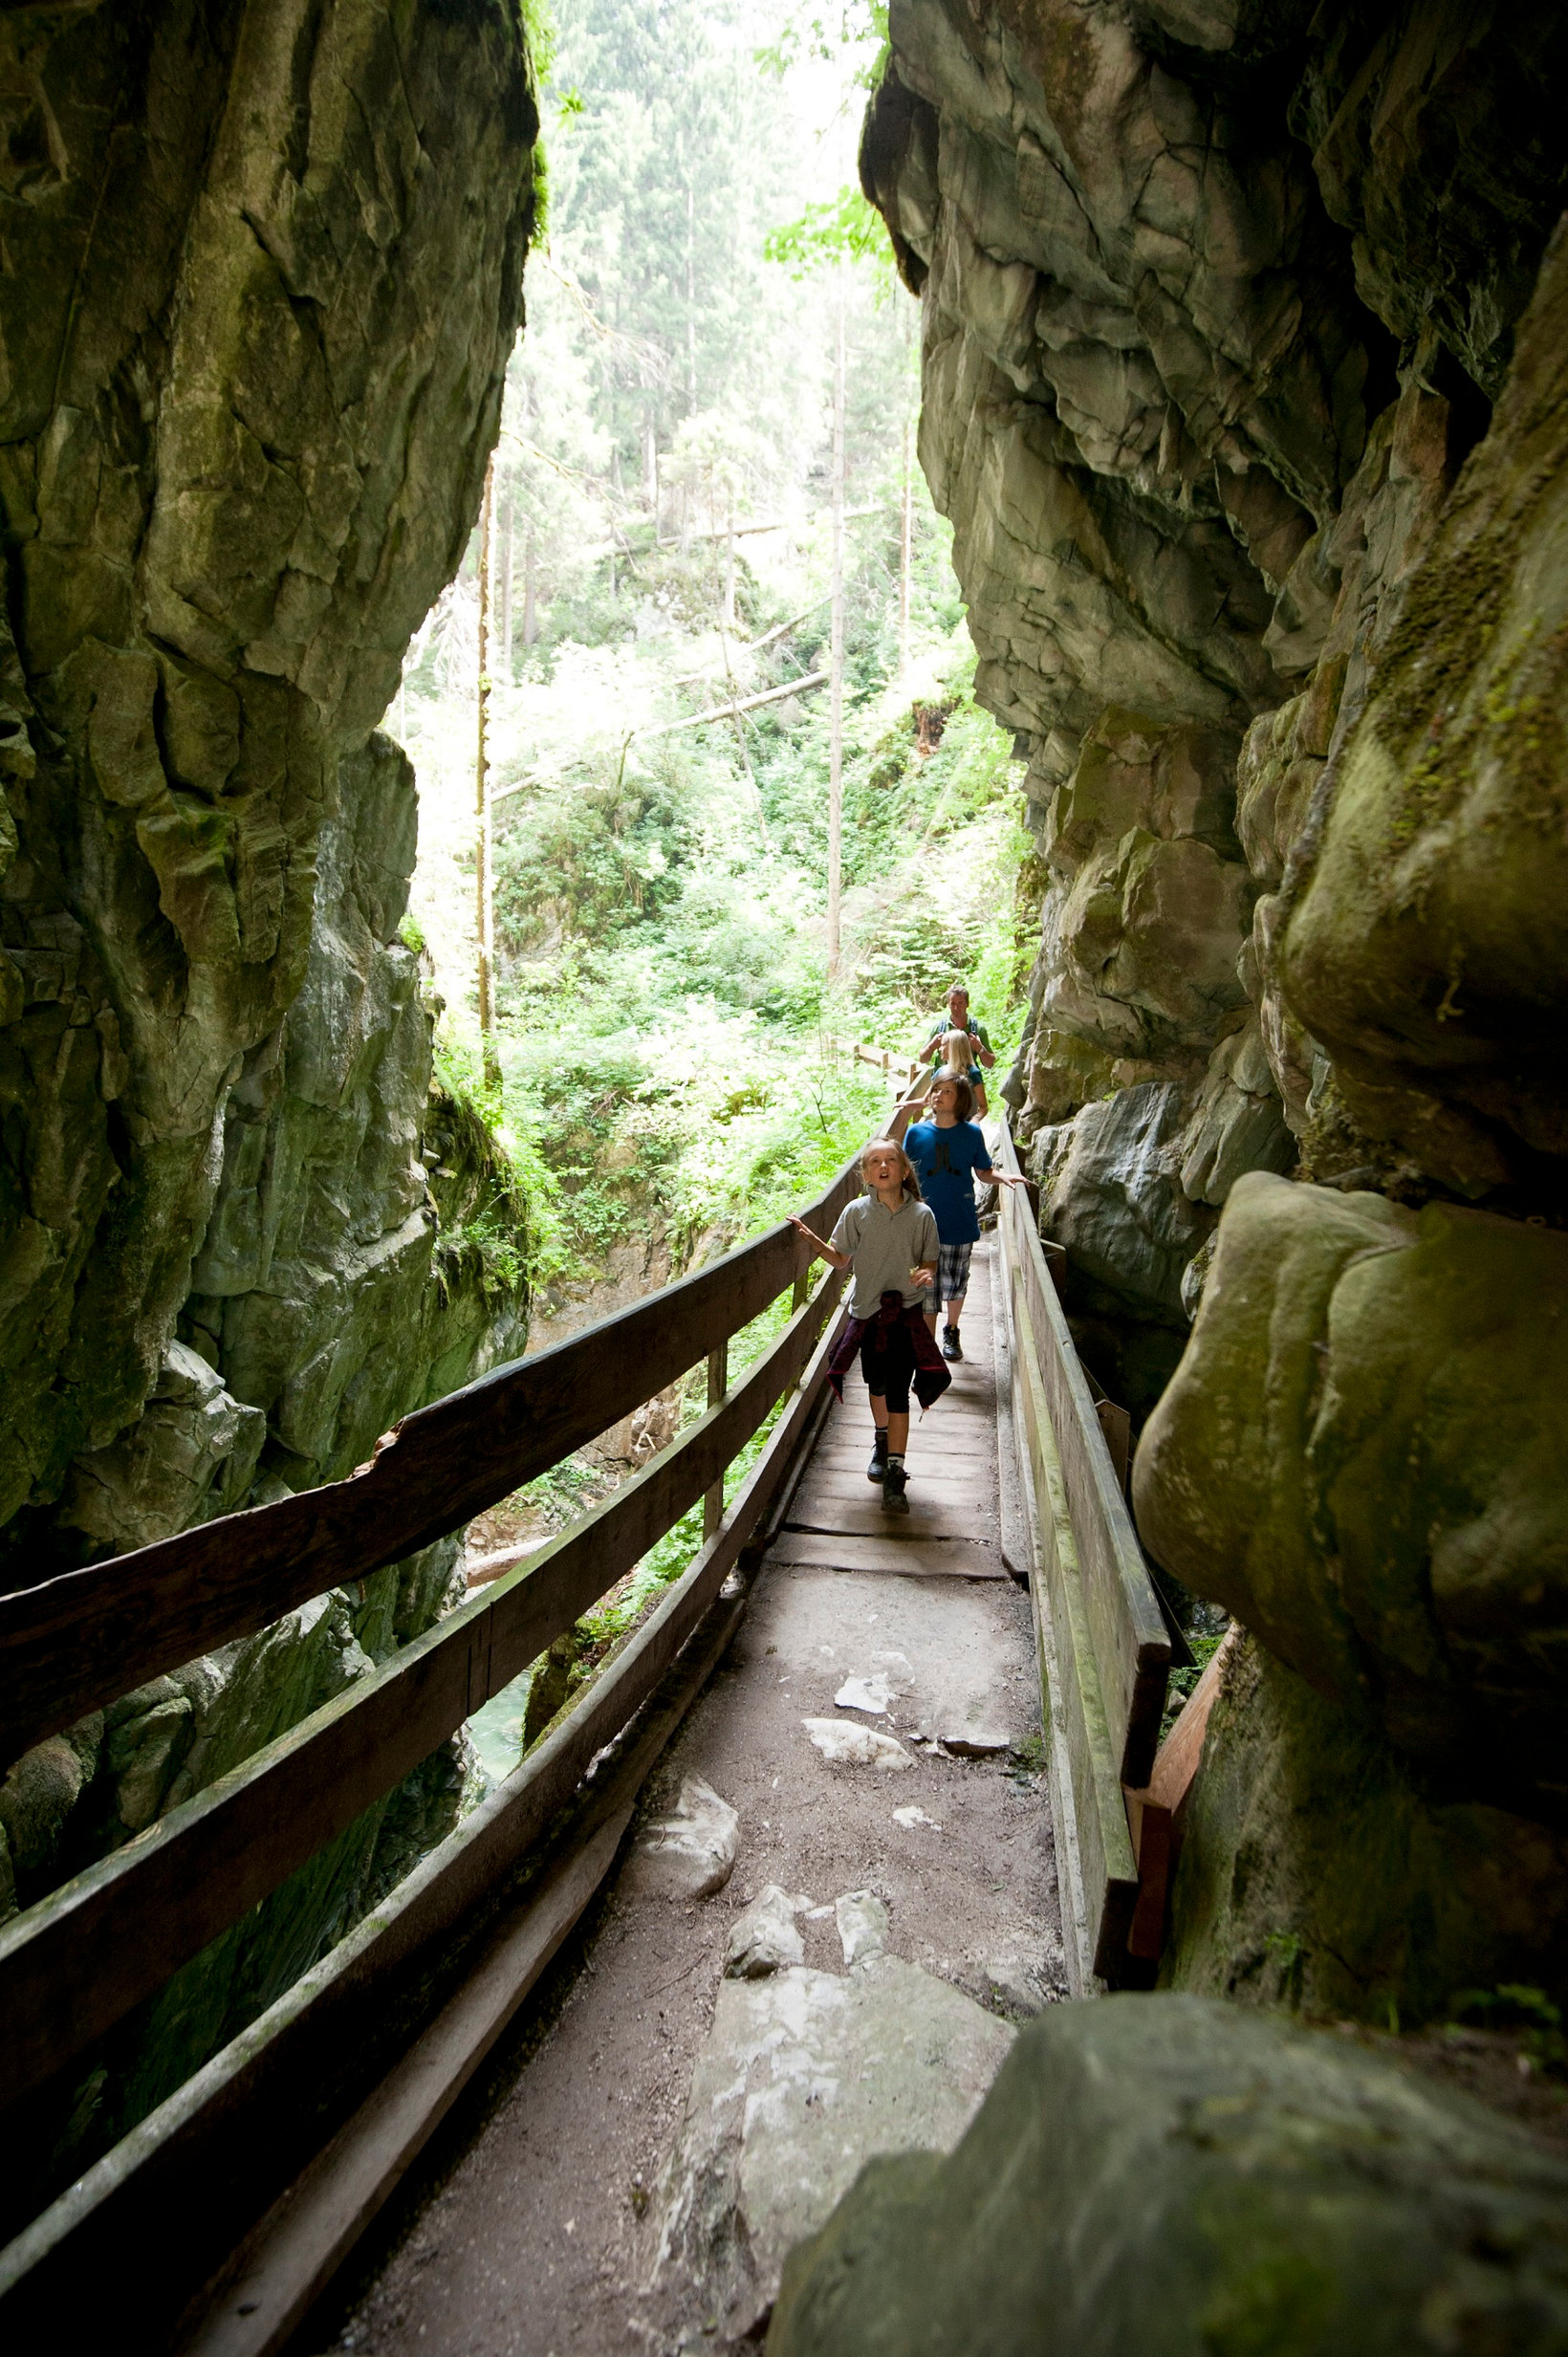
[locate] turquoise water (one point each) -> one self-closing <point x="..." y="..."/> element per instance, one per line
<point x="496" y="1731"/>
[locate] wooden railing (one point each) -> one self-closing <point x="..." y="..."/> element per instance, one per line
<point x="77" y="1961"/>
<point x="1104" y="1647"/>
<point x="235" y="2138"/>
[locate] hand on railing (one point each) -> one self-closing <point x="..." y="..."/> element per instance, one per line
<point x="834" y="1259"/>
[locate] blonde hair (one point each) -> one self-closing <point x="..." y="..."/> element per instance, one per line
<point x="957" y="1054"/>
<point x="891" y="1145"/>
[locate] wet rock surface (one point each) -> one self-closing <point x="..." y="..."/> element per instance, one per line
<point x="1243" y="388"/>
<point x="801" y="2078"/>
<point x="263" y="273"/>
<point x="1160" y="2172"/>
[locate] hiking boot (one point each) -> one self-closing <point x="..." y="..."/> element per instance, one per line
<point x="878" y="1467"/>
<point x="951" y="1346"/>
<point x="895" y="1481"/>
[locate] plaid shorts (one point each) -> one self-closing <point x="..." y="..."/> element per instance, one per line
<point x="952" y="1274"/>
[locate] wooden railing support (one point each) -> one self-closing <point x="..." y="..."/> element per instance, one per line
<point x="718" y="1377"/>
<point x="1103" y="1644"/>
<point x="79" y="1959"/>
<point x="77" y="1643"/>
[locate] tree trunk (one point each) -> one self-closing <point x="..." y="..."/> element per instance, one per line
<point x="531" y="617"/>
<point x="905" y="549"/>
<point x="692" y="301"/>
<point x="730" y="566"/>
<point x="506" y="595"/>
<point x="484" y="910"/>
<point x="835" y="758"/>
<point x="907" y="522"/>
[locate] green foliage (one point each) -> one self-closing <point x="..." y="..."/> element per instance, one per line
<point x="493" y="1193"/>
<point x="841" y="228"/>
<point x="856" y="25"/>
<point x="591" y="860"/>
<point x="1513" y="2005"/>
<point x="1181" y="1682"/>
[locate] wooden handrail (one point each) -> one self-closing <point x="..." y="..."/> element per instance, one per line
<point x="223" y="2146"/>
<point x="1104" y="1647"/>
<point x="79" y="1959"/>
<point x="79" y="1642"/>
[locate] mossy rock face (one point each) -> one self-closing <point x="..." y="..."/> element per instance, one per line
<point x="1426" y="949"/>
<point x="1316" y="1872"/>
<point x="1360" y="1458"/>
<point x="1172" y="2176"/>
<point x="264" y="273"/>
<point x="256" y="322"/>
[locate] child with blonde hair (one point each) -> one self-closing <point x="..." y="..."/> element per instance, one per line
<point x="888" y="1236"/>
<point x="958" y="1061"/>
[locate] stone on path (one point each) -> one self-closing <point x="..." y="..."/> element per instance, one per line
<point x="910" y="1816"/>
<point x="871" y="1695"/>
<point x="862" y="1925"/>
<point x="762" y="1938"/>
<point x="844" y="1743"/>
<point x="689" y="1854"/>
<point x="803" y="2076"/>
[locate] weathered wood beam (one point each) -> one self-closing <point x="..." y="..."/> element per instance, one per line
<point x="77" y="1961"/>
<point x="77" y="1643"/>
<point x="220" y="2149"/>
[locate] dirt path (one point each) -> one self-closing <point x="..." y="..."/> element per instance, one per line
<point x="537" y="2226"/>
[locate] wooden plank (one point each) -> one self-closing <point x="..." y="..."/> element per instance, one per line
<point x="861" y="1514"/>
<point x="315" y="2226"/>
<point x="1109" y="1870"/>
<point x="1155" y="1815"/>
<point x="1131" y="1643"/>
<point x="1025" y="1554"/>
<point x="925" y="1557"/>
<point x="77" y="1962"/>
<point x="77" y="1643"/>
<point x="960" y="1485"/>
<point x="849" y="1436"/>
<point x="240" y="2129"/>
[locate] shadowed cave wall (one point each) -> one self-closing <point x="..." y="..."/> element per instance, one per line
<point x="260" y="272"/>
<point x="1243" y="388"/>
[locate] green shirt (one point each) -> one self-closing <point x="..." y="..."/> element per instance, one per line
<point x="976" y="1031"/>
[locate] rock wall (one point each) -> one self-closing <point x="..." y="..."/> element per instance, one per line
<point x="1243" y="387"/>
<point x="262" y="272"/>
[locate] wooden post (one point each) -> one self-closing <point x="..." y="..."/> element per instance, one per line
<point x="718" y="1383"/>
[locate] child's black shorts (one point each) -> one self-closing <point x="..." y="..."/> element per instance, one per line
<point x="888" y="1369"/>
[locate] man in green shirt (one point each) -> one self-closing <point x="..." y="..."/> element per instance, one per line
<point x="958" y="1019"/>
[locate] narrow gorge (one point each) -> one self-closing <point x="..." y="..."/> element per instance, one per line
<point x="1243" y="337"/>
<point x="493" y="816"/>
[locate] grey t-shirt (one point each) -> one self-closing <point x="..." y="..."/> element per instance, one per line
<point x="884" y="1246"/>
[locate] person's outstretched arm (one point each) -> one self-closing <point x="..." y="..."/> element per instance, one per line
<point x="992" y="1178"/>
<point x="834" y="1259"/>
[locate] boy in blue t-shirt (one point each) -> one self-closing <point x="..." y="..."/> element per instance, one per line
<point x="949" y="1154"/>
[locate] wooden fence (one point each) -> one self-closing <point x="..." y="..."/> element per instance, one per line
<point x="76" y="1966"/>
<point x="1105" y="1647"/>
<point x="80" y="1961"/>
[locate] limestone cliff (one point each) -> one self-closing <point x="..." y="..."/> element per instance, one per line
<point x="1244" y="390"/>
<point x="262" y="269"/>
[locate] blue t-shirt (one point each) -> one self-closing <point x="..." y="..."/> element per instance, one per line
<point x="946" y="1161"/>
